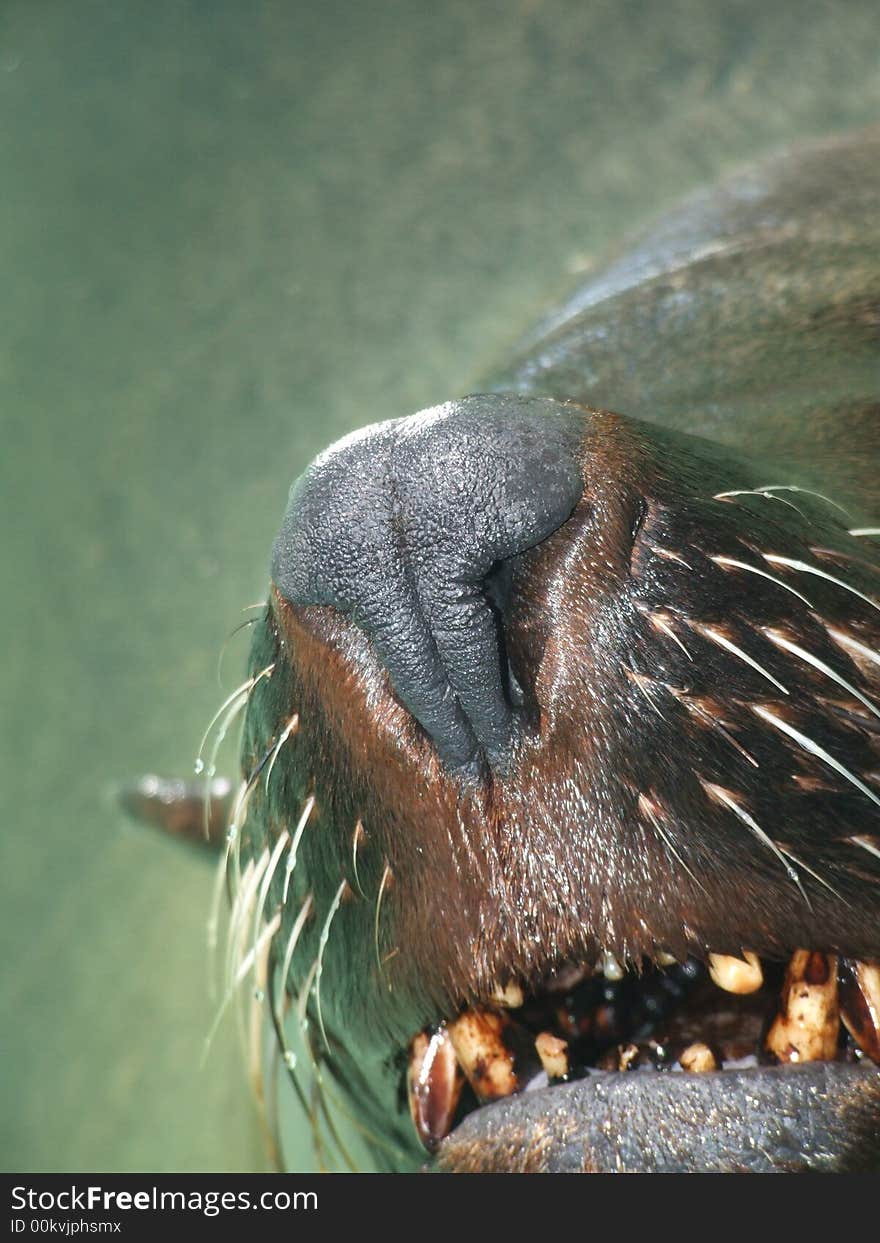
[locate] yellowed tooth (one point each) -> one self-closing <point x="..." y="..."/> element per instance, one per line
<point x="610" y="967"/>
<point x="434" y="1082"/>
<point x="860" y="1004"/>
<point x="736" y="975"/>
<point x="553" y="1053"/>
<point x="509" y="995"/>
<point x="626" y="1055"/>
<point x="663" y="959"/>
<point x="486" y="1045"/>
<point x="698" y="1058"/>
<point x="806" y="1027"/>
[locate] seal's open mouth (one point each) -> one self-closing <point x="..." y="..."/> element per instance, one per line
<point x="568" y="730"/>
<point x="730" y="1016"/>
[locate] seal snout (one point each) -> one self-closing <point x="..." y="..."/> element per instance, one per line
<point x="408" y="526"/>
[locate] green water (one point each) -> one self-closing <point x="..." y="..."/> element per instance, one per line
<point x="230" y="232"/>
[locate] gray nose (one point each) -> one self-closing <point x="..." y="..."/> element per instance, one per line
<point x="404" y="526"/>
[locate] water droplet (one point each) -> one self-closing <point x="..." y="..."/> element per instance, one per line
<point x="199" y="766"/>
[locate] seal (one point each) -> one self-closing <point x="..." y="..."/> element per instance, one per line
<point x="562" y="742"/>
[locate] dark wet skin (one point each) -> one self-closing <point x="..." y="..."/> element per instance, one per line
<point x="547" y="665"/>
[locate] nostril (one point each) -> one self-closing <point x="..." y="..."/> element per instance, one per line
<point x="498" y="592"/>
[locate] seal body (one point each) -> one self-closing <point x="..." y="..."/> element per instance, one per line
<point x="540" y="683"/>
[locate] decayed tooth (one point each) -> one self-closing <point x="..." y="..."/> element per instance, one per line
<point x="509" y="995"/>
<point x="490" y="1049"/>
<point x="736" y="975"/>
<point x="698" y="1058"/>
<point x="434" y="1081"/>
<point x="553" y="1053"/>
<point x="860" y="1004"/>
<point x="626" y="1055"/>
<point x="610" y="967"/>
<point x="807" y="1025"/>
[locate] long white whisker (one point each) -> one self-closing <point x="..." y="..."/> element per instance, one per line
<point x="752" y="569"/>
<point x="789" y="854"/>
<point x="723" y="796"/>
<point x="386" y="876"/>
<point x="303" y="999"/>
<point x="322" y="945"/>
<point x="646" y="808"/>
<point x="658" y="620"/>
<point x="803" y="568"/>
<point x="793" y="487"/>
<point x="717" y="637"/>
<point x="867" y="843"/>
<point x="290" y="948"/>
<point x="813" y="748"/>
<point x="291" y="726"/>
<point x="241" y="909"/>
<point x="860" y="531"/>
<point x="867" y="653"/>
<point x="775" y="637"/>
<point x="267" y="881"/>
<point x="638" y="681"/>
<point x="294" y="845"/>
<point x="241" y="974"/>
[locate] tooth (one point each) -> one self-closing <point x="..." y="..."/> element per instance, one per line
<point x="806" y="1027"/>
<point x="736" y="975"/>
<point x="665" y="960"/>
<point x="553" y="1053"/>
<point x="698" y="1058"/>
<point x="434" y="1081"/>
<point x="490" y="1049"/>
<point x="610" y="967"/>
<point x="626" y="1055"/>
<point x="860" y="1004"/>
<point x="510" y="995"/>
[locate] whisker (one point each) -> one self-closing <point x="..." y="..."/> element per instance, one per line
<point x="867" y="653"/>
<point x="639" y="681"/>
<point x="241" y="908"/>
<point x="289" y="949"/>
<point x="322" y="945"/>
<point x="793" y="487"/>
<point x="250" y="621"/>
<point x="234" y="703"/>
<point x="294" y="845"/>
<point x="291" y="727"/>
<point x="775" y="637"/>
<point x="716" y="636"/>
<point x="244" y="689"/>
<point x="870" y="844"/>
<point x="752" y="569"/>
<point x="271" y="868"/>
<point x="763" y="492"/>
<point x="357" y="839"/>
<point x="789" y="854"/>
<point x="288" y="1057"/>
<point x="813" y="748"/>
<point x="256" y="1044"/>
<point x="803" y="568"/>
<point x="241" y="974"/>
<point x="659" y="620"/>
<point x="724" y="796"/>
<point x="860" y="531"/>
<point x="647" y="809"/>
<point x="386" y="876"/>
